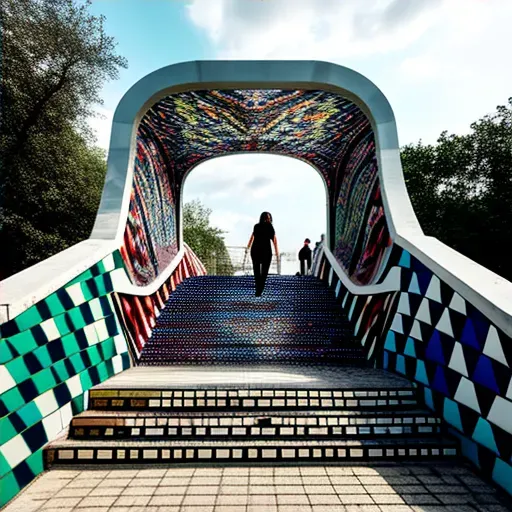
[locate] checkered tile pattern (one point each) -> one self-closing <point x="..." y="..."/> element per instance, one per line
<point x="51" y="355"/>
<point x="459" y="359"/>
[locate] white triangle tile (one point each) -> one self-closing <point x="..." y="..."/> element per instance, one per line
<point x="458" y="304"/>
<point x="423" y="313"/>
<point x="414" y="286"/>
<point x="363" y="339"/>
<point x="416" y="331"/>
<point x="397" y="325"/>
<point x="403" y="304"/>
<point x="434" y="289"/>
<point x="352" y="307"/>
<point x="493" y="348"/>
<point x="445" y="324"/>
<point x="466" y="394"/>
<point x="457" y="361"/>
<point x="509" y="391"/>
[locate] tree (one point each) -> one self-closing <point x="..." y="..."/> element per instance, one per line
<point x="205" y="240"/>
<point x="461" y="189"/>
<point x="55" y="59"/>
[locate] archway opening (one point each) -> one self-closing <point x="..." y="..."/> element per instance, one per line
<point x="237" y="188"/>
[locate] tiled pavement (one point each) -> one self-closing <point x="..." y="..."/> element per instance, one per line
<point x="369" y="488"/>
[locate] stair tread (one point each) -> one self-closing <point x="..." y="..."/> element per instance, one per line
<point x="401" y="441"/>
<point x="248" y="413"/>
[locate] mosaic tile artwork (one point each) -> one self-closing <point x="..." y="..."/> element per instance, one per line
<point x="51" y="355"/>
<point x="315" y="126"/>
<point x="139" y="313"/>
<point x="319" y="127"/>
<point x="361" y="236"/>
<point x="216" y="320"/>
<point x="459" y="360"/>
<point x="150" y="239"/>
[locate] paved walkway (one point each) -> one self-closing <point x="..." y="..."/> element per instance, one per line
<point x="369" y="488"/>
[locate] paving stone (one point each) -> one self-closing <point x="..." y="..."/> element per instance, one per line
<point x="61" y="502"/>
<point x="261" y="480"/>
<point x="262" y="489"/>
<point x="262" y="499"/>
<point x="420" y="499"/>
<point x="235" y="480"/>
<point x="337" y="471"/>
<point x="291" y="489"/>
<point x="119" y="482"/>
<point x="356" y="499"/>
<point x="132" y="501"/>
<point x="316" y="480"/>
<point x="350" y="489"/>
<point x="380" y="489"/>
<point x="97" y="501"/>
<point x="166" y="500"/>
<point x="180" y="472"/>
<point x="409" y="489"/>
<point x="294" y="508"/>
<point x="147" y="482"/>
<point x="151" y="473"/>
<point x="139" y="491"/>
<point x="312" y="471"/>
<point x="106" y="491"/>
<point x="372" y="480"/>
<point x="196" y="500"/>
<point x="203" y="489"/>
<point x="319" y="489"/>
<point x="175" y="481"/>
<point x="232" y="499"/>
<point x="205" y="480"/>
<point x="387" y="499"/>
<point x="287" y="480"/>
<point x="292" y="499"/>
<point x="233" y="489"/>
<point x="345" y="480"/>
<point x="172" y="489"/>
<point x="229" y="508"/>
<point x="73" y="492"/>
<point x="262" y="508"/>
<point x="328" y="508"/>
<point x="90" y="483"/>
<point x="324" y="499"/>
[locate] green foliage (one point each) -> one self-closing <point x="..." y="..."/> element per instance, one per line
<point x="205" y="240"/>
<point x="461" y="189"/>
<point x="55" y="60"/>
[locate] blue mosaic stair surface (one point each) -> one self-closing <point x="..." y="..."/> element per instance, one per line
<point x="218" y="320"/>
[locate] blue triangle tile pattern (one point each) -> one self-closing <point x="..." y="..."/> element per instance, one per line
<point x="401" y="341"/>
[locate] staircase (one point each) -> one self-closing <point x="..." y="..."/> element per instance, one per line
<point x="217" y="320"/>
<point x="231" y="378"/>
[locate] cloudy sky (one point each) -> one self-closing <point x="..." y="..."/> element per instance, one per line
<point x="441" y="63"/>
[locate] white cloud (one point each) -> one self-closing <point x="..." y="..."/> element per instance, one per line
<point x="441" y="63"/>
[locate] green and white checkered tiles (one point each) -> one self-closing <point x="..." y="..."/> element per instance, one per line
<point x="50" y="356"/>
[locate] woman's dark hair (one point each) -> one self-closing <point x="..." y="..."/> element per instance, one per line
<point x="264" y="216"/>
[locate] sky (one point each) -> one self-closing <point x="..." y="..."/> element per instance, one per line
<point x="442" y="64"/>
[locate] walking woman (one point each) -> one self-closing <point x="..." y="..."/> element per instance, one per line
<point x="261" y="250"/>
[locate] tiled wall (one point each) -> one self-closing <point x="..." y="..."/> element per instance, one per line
<point x="55" y="351"/>
<point x="460" y="361"/>
<point x="50" y="356"/>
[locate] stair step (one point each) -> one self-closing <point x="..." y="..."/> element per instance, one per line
<point x="63" y="452"/>
<point x="310" y="424"/>
<point x="155" y="400"/>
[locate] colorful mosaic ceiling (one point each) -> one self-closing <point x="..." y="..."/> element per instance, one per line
<point x="316" y="126"/>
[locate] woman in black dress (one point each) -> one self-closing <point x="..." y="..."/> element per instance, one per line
<point x="261" y="250"/>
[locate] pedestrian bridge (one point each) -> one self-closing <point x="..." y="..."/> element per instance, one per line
<point x="402" y="305"/>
